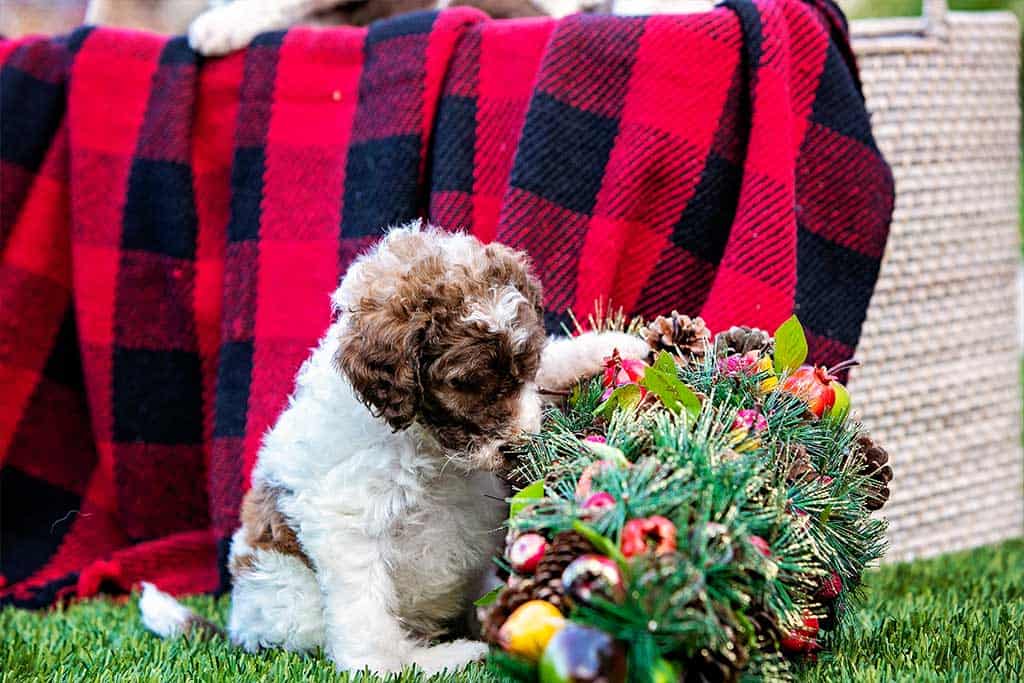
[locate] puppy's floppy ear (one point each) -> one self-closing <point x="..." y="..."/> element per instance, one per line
<point x="515" y="268"/>
<point x="379" y="354"/>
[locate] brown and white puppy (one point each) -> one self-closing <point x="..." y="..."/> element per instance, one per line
<point x="374" y="507"/>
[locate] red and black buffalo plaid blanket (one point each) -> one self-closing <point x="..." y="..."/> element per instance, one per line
<point x="171" y="229"/>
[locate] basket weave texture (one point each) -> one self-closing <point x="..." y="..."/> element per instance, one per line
<point x="940" y="381"/>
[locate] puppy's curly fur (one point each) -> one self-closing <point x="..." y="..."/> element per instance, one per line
<point x="445" y="331"/>
<point x="375" y="509"/>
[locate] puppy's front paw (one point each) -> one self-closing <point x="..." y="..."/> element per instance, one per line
<point x="451" y="656"/>
<point x="628" y="345"/>
<point x="221" y="30"/>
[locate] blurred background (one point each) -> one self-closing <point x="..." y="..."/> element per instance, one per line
<point x="19" y="17"/>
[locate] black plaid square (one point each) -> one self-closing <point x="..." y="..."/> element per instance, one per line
<point x="233" y="372"/>
<point x="454" y="145"/>
<point x="246" y="193"/>
<point x="413" y="23"/>
<point x="837" y="103"/>
<point x="30" y="111"/>
<point x="36" y="517"/>
<point x="833" y="287"/>
<point x="157" y="396"/>
<point x="160" y="213"/>
<point x="564" y="156"/>
<point x="381" y="185"/>
<point x="177" y="51"/>
<point x="703" y="229"/>
<point x="64" y="365"/>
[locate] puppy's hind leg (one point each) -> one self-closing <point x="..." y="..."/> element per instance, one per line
<point x="275" y="600"/>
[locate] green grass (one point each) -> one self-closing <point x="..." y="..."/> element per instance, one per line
<point x="860" y="9"/>
<point x="956" y="618"/>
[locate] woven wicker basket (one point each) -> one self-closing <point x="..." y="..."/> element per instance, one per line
<point x="940" y="384"/>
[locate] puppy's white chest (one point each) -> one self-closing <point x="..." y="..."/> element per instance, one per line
<point x="442" y="546"/>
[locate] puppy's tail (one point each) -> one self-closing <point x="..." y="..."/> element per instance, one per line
<point x="168" y="618"/>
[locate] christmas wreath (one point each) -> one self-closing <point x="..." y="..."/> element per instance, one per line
<point x="704" y="516"/>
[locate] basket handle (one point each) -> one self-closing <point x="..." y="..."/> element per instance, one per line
<point x="934" y="13"/>
<point x="928" y="31"/>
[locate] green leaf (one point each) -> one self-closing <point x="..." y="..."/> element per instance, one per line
<point x="531" y="493"/>
<point x="665" y="363"/>
<point x="841" y="408"/>
<point x="490" y="597"/>
<point x="790" y="345"/>
<point x="664" y="383"/>
<point x="627" y="396"/>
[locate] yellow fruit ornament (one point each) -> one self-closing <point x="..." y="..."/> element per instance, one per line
<point x="528" y="629"/>
<point x="772" y="380"/>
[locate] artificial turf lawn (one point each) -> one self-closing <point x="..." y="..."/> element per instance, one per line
<point x="955" y="618"/>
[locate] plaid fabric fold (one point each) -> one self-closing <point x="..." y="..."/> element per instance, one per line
<point x="171" y="229"/>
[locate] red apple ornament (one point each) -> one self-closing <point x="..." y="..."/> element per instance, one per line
<point x="526" y="553"/>
<point x="816" y="385"/>
<point x="655" y="531"/>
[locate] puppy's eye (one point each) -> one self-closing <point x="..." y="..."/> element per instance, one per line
<point x="463" y="384"/>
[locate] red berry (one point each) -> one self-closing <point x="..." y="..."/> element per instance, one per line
<point x="761" y="545"/>
<point x="639" y="533"/>
<point x="814" y="385"/>
<point x="831" y="587"/>
<point x="599" y="502"/>
<point x="526" y="552"/>
<point x="804" y="638"/>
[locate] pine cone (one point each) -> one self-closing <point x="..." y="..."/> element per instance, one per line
<point x="688" y="336"/>
<point x="766" y="629"/>
<point x="743" y="340"/>
<point x="717" y="666"/>
<point x="876" y="466"/>
<point x="545" y="584"/>
<point x="710" y="667"/>
<point x="799" y="462"/>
